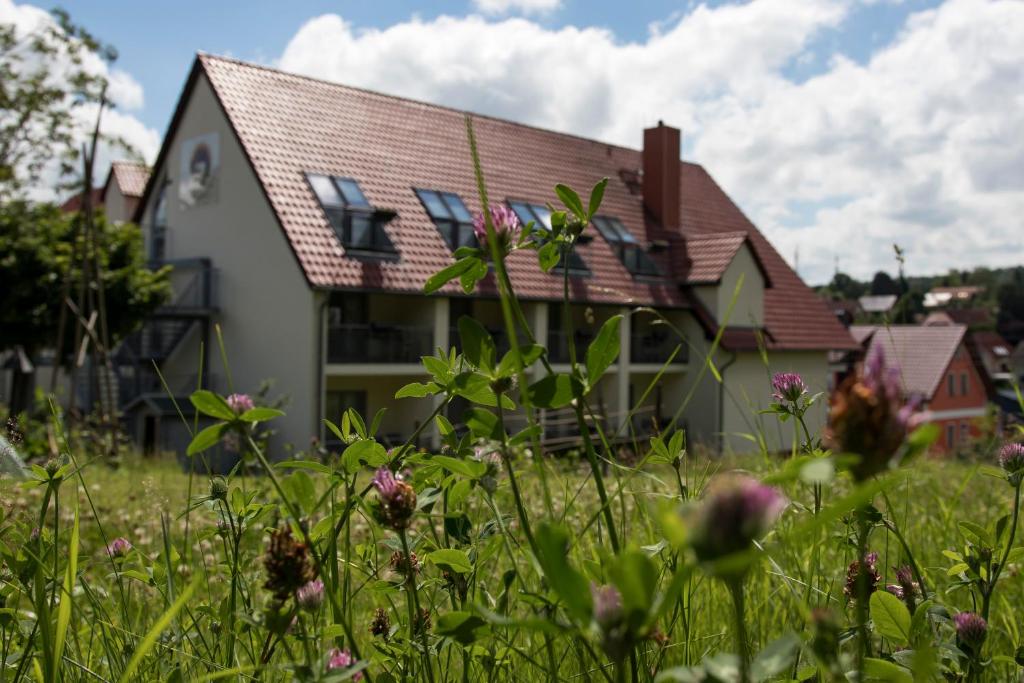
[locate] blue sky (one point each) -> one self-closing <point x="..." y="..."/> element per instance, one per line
<point x="839" y="126"/>
<point x="157" y="46"/>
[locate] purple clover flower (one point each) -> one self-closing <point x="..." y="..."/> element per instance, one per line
<point x="119" y="547"/>
<point x="971" y="630"/>
<point x="788" y="387"/>
<point x="506" y="226"/>
<point x="342" y="659"/>
<point x="1011" y="458"/>
<point x="397" y="499"/>
<point x="240" y="403"/>
<point x="736" y="511"/>
<point x="607" y="605"/>
<point x="310" y="596"/>
<point x="868" y="568"/>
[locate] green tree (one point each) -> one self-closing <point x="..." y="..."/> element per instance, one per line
<point x="36" y="247"/>
<point x="883" y="284"/>
<point x="45" y="75"/>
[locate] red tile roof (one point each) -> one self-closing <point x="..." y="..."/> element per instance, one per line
<point x="710" y="255"/>
<point x="131" y="177"/>
<point x="923" y="352"/>
<point x="74" y="202"/>
<point x="289" y="125"/>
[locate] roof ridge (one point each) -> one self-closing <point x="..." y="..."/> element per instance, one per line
<point x="204" y="56"/>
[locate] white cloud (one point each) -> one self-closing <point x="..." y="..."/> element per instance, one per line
<point x="920" y="145"/>
<point x="523" y="6"/>
<point x="124" y="91"/>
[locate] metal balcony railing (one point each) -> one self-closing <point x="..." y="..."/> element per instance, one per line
<point x="558" y="346"/>
<point x="192" y="286"/>
<point x="378" y="343"/>
<point x="655" y="346"/>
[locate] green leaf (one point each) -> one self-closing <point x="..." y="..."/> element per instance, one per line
<point x="162" y="623"/>
<point x="467" y="468"/>
<point x="603" y="351"/>
<point x="446" y="275"/>
<point x="571" y="200"/>
<point x="890" y="616"/>
<point x="636" y="577"/>
<point x="206" y="438"/>
<point x="567" y="583"/>
<point x="597" y="196"/>
<point x="66" y="597"/>
<point x="548" y="256"/>
<point x="300" y="486"/>
<point x="775" y="658"/>
<point x="464" y="627"/>
<point x="554" y="391"/>
<point x="529" y="353"/>
<point x="364" y="451"/>
<point x="477" y="345"/>
<point x="882" y="670"/>
<point x="260" y="414"/>
<point x="451" y="559"/>
<point x="417" y="390"/>
<point x="209" y="403"/>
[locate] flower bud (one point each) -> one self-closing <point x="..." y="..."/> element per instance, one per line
<point x="1011" y="459"/>
<point x="788" y="387"/>
<point x="218" y="488"/>
<point x="240" y="403"/>
<point x="971" y="631"/>
<point x="119" y="547"/>
<point x="506" y="227"/>
<point x="867" y="571"/>
<point x="380" y="625"/>
<point x="397" y="499"/>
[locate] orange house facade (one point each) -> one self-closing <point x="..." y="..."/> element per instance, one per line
<point x="935" y="365"/>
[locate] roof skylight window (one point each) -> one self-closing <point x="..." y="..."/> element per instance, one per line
<point x="625" y="245"/>
<point x="541" y="217"/>
<point x="450" y="215"/>
<point x="358" y="226"/>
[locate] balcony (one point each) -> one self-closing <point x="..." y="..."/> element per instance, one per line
<point x="655" y="345"/>
<point x="558" y="346"/>
<point x="378" y="343"/>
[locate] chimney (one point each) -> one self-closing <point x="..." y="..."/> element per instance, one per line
<point x="661" y="175"/>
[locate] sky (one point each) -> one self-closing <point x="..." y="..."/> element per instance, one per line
<point x="840" y="127"/>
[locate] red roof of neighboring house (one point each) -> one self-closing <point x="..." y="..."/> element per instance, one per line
<point x="922" y="352"/>
<point x="131" y="177"/>
<point x="992" y="343"/>
<point x="74" y="202"/>
<point x="289" y="125"/>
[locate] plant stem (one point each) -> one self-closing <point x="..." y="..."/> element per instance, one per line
<point x="742" y="649"/>
<point x="986" y="603"/>
<point x="413" y="600"/>
<point x="862" y="592"/>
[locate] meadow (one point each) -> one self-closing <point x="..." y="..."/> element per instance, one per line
<point x="853" y="557"/>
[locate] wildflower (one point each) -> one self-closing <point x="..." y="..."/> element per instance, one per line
<point x="1011" y="459"/>
<point x="232" y="442"/>
<point x="909" y="590"/>
<point x="287" y="563"/>
<point x="866" y="570"/>
<point x="488" y="454"/>
<point x="240" y="403"/>
<point x="870" y="416"/>
<point x="380" y="625"/>
<point x="788" y="387"/>
<point x="404" y="566"/>
<point x="397" y="499"/>
<point x="607" y="605"/>
<point x="506" y="226"/>
<point x="310" y="596"/>
<point x="218" y="488"/>
<point x="14" y="435"/>
<point x="52" y="466"/>
<point x="342" y="659"/>
<point x="423" y="620"/>
<point x="736" y="511"/>
<point x="119" y="547"/>
<point x="971" y="630"/>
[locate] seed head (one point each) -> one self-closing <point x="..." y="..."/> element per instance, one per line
<point x="218" y="488"/>
<point x="736" y="511"/>
<point x="310" y="596"/>
<point x="971" y="630"/>
<point x="400" y="565"/>
<point x="287" y="563"/>
<point x="14" y="435"/>
<point x="380" y="625"/>
<point x="119" y="547"/>
<point x="788" y="387"/>
<point x="239" y="403"/>
<point x="397" y="499"/>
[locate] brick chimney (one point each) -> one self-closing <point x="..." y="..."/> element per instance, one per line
<point x="661" y="175"/>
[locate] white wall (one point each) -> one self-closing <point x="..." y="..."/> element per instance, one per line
<point x="268" y="314"/>
<point x="749" y="308"/>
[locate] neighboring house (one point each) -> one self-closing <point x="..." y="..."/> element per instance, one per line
<point x="974" y="318"/>
<point x="119" y="195"/>
<point x="878" y="304"/>
<point x="935" y="364"/>
<point x="322" y="209"/>
<point x="938" y="297"/>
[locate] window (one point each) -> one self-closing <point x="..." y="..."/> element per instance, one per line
<point x="625" y="245"/>
<point x="158" y="227"/>
<point x="963" y="384"/>
<point x="339" y="401"/>
<point x="965" y="432"/>
<point x="358" y="225"/>
<point x="950" y="436"/>
<point x="542" y="217"/>
<point x="451" y="217"/>
<point x="951" y="384"/>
